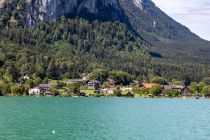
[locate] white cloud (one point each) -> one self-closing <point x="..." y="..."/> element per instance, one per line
<point x="195" y="14"/>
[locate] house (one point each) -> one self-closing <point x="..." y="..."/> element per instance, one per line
<point x="147" y="85"/>
<point x="34" y="91"/>
<point x="175" y="87"/>
<point x="127" y="89"/>
<point x="93" y="84"/>
<point x="44" y="88"/>
<point x="180" y="88"/>
<point x="109" y="91"/>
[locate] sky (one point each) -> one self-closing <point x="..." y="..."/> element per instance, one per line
<point x="195" y="14"/>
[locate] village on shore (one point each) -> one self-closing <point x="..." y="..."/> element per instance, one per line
<point x="85" y="87"/>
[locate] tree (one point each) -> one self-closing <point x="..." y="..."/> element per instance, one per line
<point x="74" y="88"/>
<point x="156" y="90"/>
<point x="196" y="87"/>
<point x="30" y="82"/>
<point x="15" y="90"/>
<point x="5" y="89"/>
<point x="53" y="89"/>
<point x="129" y="94"/>
<point x="160" y="80"/>
<point x="18" y="90"/>
<point x="105" y="85"/>
<point x="206" y="80"/>
<point x="40" y="72"/>
<point x="187" y="80"/>
<point x="171" y="93"/>
<point x="52" y="71"/>
<point x="37" y="81"/>
<point x="206" y="90"/>
<point x="99" y="75"/>
<point x="120" y="77"/>
<point x="118" y="92"/>
<point x="13" y="73"/>
<point x="193" y="87"/>
<point x="137" y="90"/>
<point x="96" y="93"/>
<point x="45" y="81"/>
<point x="177" y="82"/>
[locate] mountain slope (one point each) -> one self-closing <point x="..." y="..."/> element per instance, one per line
<point x="157" y="30"/>
<point x="167" y="36"/>
<point x="107" y="34"/>
<point x="143" y="15"/>
<point x="33" y="11"/>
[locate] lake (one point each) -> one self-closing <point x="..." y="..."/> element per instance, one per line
<point x="54" y="118"/>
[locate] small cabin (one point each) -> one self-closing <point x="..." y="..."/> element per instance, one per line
<point x="44" y="88"/>
<point x="34" y="91"/>
<point x="93" y="84"/>
<point x="108" y="91"/>
<point x="175" y="87"/>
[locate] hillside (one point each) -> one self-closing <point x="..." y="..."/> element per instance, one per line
<point x="153" y="27"/>
<point x="78" y="45"/>
<point x="173" y="41"/>
<point x="83" y="35"/>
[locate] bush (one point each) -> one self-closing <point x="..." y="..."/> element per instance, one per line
<point x="156" y="90"/>
<point x="74" y="88"/>
<point x="171" y="93"/>
<point x="206" y="80"/>
<point x="129" y="94"/>
<point x="117" y="92"/>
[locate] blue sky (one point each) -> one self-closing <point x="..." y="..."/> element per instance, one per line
<point x="195" y="14"/>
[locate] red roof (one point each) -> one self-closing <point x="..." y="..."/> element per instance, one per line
<point x="147" y="85"/>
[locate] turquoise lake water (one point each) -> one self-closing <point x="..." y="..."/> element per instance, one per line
<point x="54" y="118"/>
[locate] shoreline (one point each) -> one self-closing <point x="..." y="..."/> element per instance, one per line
<point x="193" y="97"/>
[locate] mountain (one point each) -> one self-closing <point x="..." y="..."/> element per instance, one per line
<point x="128" y="35"/>
<point x="45" y="10"/>
<point x="143" y="15"/>
<point x="160" y="32"/>
<point x="170" y="39"/>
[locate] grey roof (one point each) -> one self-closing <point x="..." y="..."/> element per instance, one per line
<point x="173" y="87"/>
<point x="75" y="80"/>
<point x="44" y="86"/>
<point x="94" y="81"/>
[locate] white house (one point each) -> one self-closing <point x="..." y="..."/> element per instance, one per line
<point x="127" y="89"/>
<point x="34" y="91"/>
<point x="108" y="90"/>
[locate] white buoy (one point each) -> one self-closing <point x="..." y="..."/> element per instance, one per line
<point x="53" y="131"/>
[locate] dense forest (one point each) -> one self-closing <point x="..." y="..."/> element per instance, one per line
<point x="71" y="47"/>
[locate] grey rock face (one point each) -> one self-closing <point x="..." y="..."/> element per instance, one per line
<point x="45" y="10"/>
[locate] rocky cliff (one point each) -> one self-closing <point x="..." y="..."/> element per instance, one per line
<point x="45" y="10"/>
<point x="141" y="16"/>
